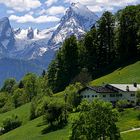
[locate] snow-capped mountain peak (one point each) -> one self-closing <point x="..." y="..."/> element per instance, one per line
<point x="77" y="20"/>
<point x="82" y="10"/>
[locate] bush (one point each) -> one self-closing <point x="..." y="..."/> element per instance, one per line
<point x="19" y="97"/>
<point x="11" y="123"/>
<point x="6" y="103"/>
<point x="8" y="85"/>
<point x="138" y="116"/>
<point x="56" y="113"/>
<point x="38" y="106"/>
<point x="121" y="104"/>
<point x="73" y="98"/>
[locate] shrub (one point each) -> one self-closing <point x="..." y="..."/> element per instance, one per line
<point x="11" y="123"/>
<point x="38" y="106"/>
<point x="138" y="116"/>
<point x="73" y="98"/>
<point x="6" y="103"/>
<point x="19" y="97"/>
<point x="121" y="104"/>
<point x="56" y="113"/>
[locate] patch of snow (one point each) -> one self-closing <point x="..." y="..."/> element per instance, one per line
<point x="5" y="43"/>
<point x="42" y="51"/>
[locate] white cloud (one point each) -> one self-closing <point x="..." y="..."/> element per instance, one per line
<point x="95" y="8"/>
<point x="29" y="18"/>
<point x="50" y="2"/>
<point x="10" y="11"/>
<point x="41" y="12"/>
<point x="101" y="5"/>
<point x="122" y="3"/>
<point x="21" y="5"/>
<point x="55" y="10"/>
<point x="31" y="13"/>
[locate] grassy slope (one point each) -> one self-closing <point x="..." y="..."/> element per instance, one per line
<point x="128" y="74"/>
<point x="23" y="113"/>
<point x="31" y="131"/>
<point x="128" y="119"/>
<point x="131" y="135"/>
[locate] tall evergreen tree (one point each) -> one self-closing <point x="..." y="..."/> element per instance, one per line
<point x="106" y="26"/>
<point x="91" y="45"/>
<point x="65" y="67"/>
<point x="128" y="33"/>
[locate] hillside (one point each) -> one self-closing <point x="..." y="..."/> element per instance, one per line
<point x="23" y="112"/>
<point x="32" y="129"/>
<point x="128" y="74"/>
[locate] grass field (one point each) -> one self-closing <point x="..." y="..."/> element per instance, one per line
<point x="135" y="135"/>
<point x="30" y="130"/>
<point x="128" y="119"/>
<point x="23" y="113"/>
<point x="128" y="74"/>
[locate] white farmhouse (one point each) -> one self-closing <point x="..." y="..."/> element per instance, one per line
<point x="111" y="92"/>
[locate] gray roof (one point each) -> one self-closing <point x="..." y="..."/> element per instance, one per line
<point x="123" y="87"/>
<point x="99" y="89"/>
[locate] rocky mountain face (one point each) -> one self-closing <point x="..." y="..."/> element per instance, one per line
<point x="7" y="39"/>
<point x="38" y="47"/>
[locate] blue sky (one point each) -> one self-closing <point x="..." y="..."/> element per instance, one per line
<point x="47" y="13"/>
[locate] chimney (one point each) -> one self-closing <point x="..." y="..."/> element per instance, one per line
<point x="127" y="88"/>
<point x="135" y="85"/>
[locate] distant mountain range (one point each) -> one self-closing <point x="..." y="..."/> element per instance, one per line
<point x="31" y="50"/>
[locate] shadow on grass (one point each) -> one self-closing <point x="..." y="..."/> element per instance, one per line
<point x="41" y="124"/>
<point x="52" y="128"/>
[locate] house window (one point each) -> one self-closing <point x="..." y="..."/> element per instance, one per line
<point x="132" y="95"/>
<point x="104" y="96"/>
<point x="112" y="95"/>
<point x="93" y="96"/>
<point x="120" y="95"/>
<point x="132" y="102"/>
<point x="81" y="96"/>
<point x="85" y="96"/>
<point x="88" y="96"/>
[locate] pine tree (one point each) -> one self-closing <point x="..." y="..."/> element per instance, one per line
<point x="128" y="33"/>
<point x="65" y="67"/>
<point x="106" y="26"/>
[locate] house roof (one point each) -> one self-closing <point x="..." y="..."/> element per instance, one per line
<point x="124" y="87"/>
<point x="99" y="89"/>
<point x="113" y="88"/>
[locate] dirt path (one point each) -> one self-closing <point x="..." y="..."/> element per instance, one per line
<point x="131" y="130"/>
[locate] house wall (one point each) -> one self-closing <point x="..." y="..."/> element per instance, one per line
<point x="129" y="96"/>
<point x="110" y="97"/>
